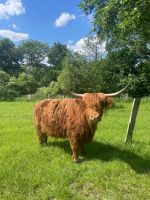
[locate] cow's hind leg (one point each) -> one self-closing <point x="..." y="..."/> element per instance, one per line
<point x="45" y="139"/>
<point x="41" y="137"/>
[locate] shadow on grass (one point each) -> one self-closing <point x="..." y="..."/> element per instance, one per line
<point x="63" y="144"/>
<point x="107" y="153"/>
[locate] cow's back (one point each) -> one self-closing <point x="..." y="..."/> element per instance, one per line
<point x="58" y="117"/>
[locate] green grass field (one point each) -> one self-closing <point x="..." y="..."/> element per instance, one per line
<point x="109" y="171"/>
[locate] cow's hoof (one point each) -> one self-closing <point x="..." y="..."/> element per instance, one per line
<point x="43" y="145"/>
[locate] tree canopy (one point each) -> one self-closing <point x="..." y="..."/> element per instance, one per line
<point x="34" y="52"/>
<point x="123" y="18"/>
<point x="56" y="54"/>
<point x="10" y="57"/>
<point x="125" y="26"/>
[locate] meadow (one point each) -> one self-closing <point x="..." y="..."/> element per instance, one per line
<point x="110" y="170"/>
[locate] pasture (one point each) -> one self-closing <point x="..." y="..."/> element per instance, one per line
<point x="110" y="170"/>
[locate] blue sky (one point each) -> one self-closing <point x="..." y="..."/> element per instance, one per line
<point x="48" y="21"/>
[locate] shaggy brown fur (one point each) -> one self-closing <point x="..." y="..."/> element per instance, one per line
<point x="75" y="119"/>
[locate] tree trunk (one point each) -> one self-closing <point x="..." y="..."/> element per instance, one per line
<point x="131" y="124"/>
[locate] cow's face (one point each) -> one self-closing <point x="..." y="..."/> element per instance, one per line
<point x="95" y="105"/>
<point x="92" y="115"/>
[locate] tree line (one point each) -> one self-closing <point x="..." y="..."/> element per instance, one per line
<point x="29" y="66"/>
<point x="123" y="25"/>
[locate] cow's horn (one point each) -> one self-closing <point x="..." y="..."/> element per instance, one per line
<point x="77" y="95"/>
<point x="116" y="93"/>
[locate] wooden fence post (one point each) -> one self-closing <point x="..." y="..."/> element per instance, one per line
<point x="131" y="124"/>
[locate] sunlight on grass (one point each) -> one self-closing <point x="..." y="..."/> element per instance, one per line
<point x="110" y="170"/>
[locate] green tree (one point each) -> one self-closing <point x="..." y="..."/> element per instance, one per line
<point x="104" y="75"/>
<point x="34" y="53"/>
<point x="121" y="18"/>
<point x="95" y="76"/>
<point x="125" y="25"/>
<point x="54" y="89"/>
<point x="49" y="75"/>
<point x="10" y="57"/>
<point x="4" y="79"/>
<point x="27" y="83"/>
<point x="74" y="75"/>
<point x="56" y="55"/>
<point x="24" y="84"/>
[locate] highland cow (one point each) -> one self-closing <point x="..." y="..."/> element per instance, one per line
<point x="75" y="119"/>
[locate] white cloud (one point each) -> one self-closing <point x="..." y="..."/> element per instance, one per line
<point x="14" y="36"/>
<point x="81" y="46"/>
<point x="63" y="19"/>
<point x="11" y="8"/>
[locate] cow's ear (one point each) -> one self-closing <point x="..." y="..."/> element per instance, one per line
<point x="109" y="101"/>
